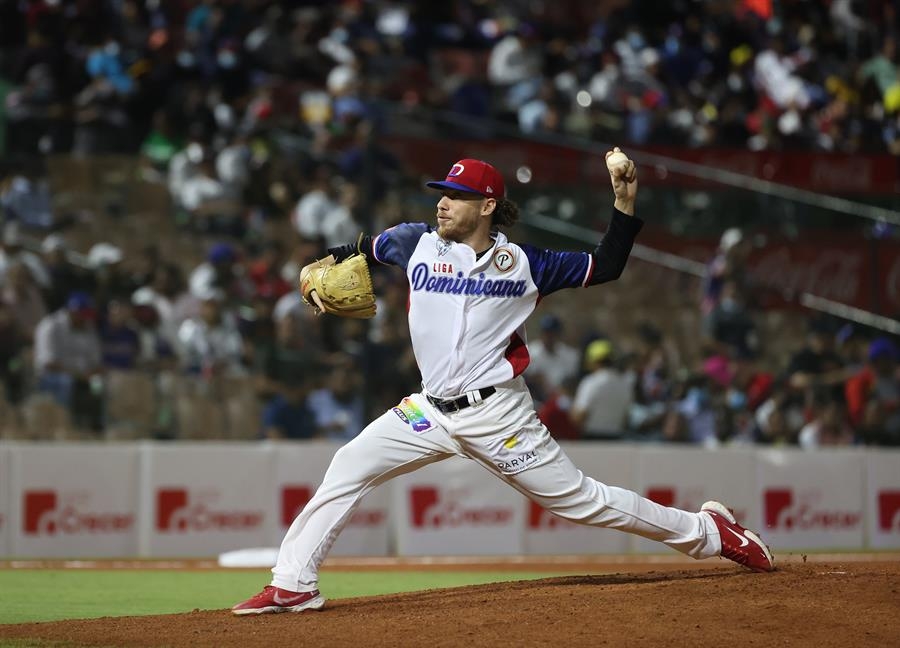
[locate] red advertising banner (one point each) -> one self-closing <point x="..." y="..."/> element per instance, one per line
<point x="155" y="500"/>
<point x="192" y="504"/>
<point x="456" y="507"/>
<point x="830" y="173"/>
<point x="837" y="266"/>
<point x="856" y="272"/>
<point x="883" y="495"/>
<point x="812" y="499"/>
<point x="546" y="533"/>
<point x="72" y="500"/>
<point x="299" y="469"/>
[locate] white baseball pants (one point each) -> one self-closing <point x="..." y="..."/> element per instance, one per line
<point x="502" y="433"/>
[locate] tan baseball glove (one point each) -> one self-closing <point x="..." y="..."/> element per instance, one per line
<point x="343" y="289"/>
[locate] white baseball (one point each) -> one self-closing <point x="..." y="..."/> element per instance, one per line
<point x="615" y="160"/>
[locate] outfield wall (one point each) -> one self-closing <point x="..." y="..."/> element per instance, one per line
<point x="200" y="499"/>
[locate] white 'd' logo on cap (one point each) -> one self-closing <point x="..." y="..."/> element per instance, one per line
<point x="456" y="170"/>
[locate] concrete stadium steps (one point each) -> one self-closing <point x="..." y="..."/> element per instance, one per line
<point x="110" y="203"/>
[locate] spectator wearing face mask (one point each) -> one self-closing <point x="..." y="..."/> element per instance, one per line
<point x="729" y="327"/>
<point x="729" y="264"/>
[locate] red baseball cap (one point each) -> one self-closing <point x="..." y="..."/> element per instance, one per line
<point x="473" y="176"/>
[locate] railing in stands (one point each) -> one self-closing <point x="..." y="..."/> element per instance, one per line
<point x="671" y="164"/>
<point x="701" y="172"/>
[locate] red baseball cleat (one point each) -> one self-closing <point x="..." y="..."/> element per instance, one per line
<point x="738" y="544"/>
<point x="274" y="599"/>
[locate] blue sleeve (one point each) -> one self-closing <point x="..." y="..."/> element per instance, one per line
<point x="396" y="245"/>
<point x="552" y="270"/>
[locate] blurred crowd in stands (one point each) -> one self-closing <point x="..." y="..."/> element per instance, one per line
<point x="67" y="331"/>
<point x="73" y="333"/>
<point x="119" y="75"/>
<point x="840" y="386"/>
<point x="260" y="121"/>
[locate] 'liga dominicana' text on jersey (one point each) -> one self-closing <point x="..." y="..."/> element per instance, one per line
<point x="467" y="315"/>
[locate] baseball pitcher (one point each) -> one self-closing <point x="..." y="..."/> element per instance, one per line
<point x="471" y="291"/>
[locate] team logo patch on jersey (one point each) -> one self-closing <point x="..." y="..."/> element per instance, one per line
<point x="443" y="247"/>
<point x="504" y="260"/>
<point x="410" y="413"/>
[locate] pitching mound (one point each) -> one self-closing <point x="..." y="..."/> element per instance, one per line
<point x="810" y="604"/>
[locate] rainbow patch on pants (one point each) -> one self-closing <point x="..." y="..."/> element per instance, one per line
<point x="410" y="413"/>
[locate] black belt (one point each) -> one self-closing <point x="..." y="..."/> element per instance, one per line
<point x="455" y="404"/>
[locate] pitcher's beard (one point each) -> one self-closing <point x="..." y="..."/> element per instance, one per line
<point x="457" y="230"/>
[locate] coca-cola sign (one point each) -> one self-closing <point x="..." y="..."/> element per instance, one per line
<point x="843" y="268"/>
<point x="831" y="173"/>
<point x="829" y="273"/>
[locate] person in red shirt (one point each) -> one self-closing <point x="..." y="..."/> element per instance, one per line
<point x="265" y="272"/>
<point x="556" y="411"/>
<point x="873" y="395"/>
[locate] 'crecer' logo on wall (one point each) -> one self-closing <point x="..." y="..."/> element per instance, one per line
<point x="295" y="498"/>
<point x="686" y="499"/>
<point x="889" y="510"/>
<point x="175" y="512"/>
<point x="430" y="510"/>
<point x="49" y="513"/>
<point x="39" y="509"/>
<point x="805" y="512"/>
<point x="664" y="495"/>
<point x="540" y="518"/>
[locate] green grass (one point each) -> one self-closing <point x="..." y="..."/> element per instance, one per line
<point x="83" y="594"/>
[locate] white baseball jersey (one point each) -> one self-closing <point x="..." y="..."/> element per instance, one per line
<point x="466" y="320"/>
<point x="466" y="315"/>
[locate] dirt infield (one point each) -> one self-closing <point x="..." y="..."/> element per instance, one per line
<point x="820" y="603"/>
